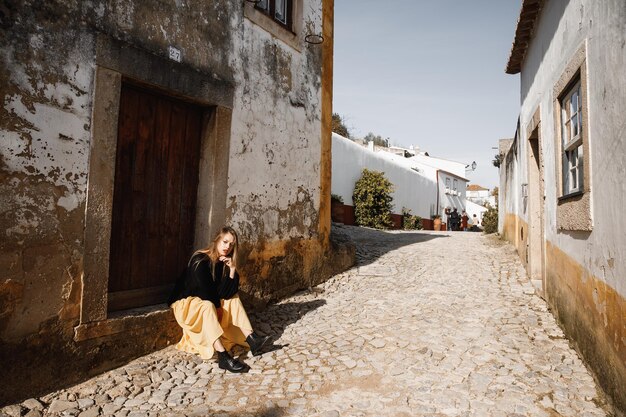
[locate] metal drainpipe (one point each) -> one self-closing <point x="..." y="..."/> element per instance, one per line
<point x="437" y="173"/>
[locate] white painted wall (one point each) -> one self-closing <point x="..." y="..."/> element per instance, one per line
<point x="452" y="196"/>
<point x="411" y="189"/>
<point x="449" y="197"/>
<point x="482" y="194"/>
<point x="472" y="208"/>
<point x="456" y="168"/>
<point x="483" y="201"/>
<point x="509" y="194"/>
<point x="561" y="29"/>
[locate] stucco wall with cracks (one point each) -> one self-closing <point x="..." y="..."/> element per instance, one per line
<point x="46" y="76"/>
<point x="49" y="54"/>
<point x="49" y="59"/>
<point x="275" y="136"/>
<point x="274" y="172"/>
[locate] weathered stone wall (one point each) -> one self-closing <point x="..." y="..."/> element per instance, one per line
<point x="46" y="76"/>
<point x="584" y="244"/>
<point x="269" y="181"/>
<point x="273" y="202"/>
<point x="48" y="56"/>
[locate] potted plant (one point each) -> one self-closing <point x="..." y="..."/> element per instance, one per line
<point x="436" y="221"/>
<point x="336" y="208"/>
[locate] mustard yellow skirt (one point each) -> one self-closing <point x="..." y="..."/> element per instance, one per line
<point x="198" y="319"/>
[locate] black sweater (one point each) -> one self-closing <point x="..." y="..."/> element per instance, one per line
<point x="198" y="281"/>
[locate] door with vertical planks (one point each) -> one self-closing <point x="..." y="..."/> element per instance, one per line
<point x="154" y="199"/>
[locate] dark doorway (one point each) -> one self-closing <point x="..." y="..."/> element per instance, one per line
<point x="154" y="199"/>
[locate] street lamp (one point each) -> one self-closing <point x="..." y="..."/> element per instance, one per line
<point x="471" y="167"/>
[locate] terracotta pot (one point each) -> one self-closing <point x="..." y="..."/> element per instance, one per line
<point x="437" y="224"/>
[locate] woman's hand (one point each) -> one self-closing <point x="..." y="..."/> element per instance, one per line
<point x="229" y="263"/>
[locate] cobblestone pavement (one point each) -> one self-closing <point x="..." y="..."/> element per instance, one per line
<point x="426" y="324"/>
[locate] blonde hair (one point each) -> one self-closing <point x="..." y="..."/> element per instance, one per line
<point x="211" y="250"/>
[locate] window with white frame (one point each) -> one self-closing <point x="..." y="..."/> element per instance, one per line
<point x="447" y="184"/>
<point x="572" y="140"/>
<point x="456" y="185"/>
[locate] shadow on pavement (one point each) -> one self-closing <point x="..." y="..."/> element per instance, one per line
<point x="371" y="244"/>
<point x="274" y="411"/>
<point x="274" y="320"/>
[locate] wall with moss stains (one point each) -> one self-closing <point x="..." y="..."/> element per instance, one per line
<point x="268" y="180"/>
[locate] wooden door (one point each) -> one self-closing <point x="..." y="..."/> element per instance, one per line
<point x="154" y="200"/>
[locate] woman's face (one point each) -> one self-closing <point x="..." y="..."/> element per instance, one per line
<point x="225" y="244"/>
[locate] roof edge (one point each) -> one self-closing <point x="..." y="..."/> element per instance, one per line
<point x="523" y="33"/>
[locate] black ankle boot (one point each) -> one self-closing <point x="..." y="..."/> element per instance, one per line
<point x="225" y="361"/>
<point x="256" y="342"/>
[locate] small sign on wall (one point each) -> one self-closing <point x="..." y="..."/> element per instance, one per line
<point x="175" y="54"/>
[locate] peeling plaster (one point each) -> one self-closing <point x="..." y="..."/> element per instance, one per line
<point x="276" y="87"/>
<point x="40" y="148"/>
<point x="48" y="62"/>
<point x="69" y="202"/>
<point x="48" y="115"/>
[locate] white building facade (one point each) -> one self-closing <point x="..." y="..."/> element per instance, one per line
<point x="423" y="184"/>
<point x="480" y="195"/>
<point x="412" y="189"/>
<point x="562" y="177"/>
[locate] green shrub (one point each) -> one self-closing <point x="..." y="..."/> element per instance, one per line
<point x="337" y="198"/>
<point x="409" y="221"/>
<point x="372" y="200"/>
<point x="490" y="220"/>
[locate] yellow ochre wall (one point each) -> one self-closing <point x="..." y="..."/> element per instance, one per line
<point x="515" y="230"/>
<point x="591" y="313"/>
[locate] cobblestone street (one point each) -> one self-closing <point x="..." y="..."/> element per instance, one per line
<point x="426" y="324"/>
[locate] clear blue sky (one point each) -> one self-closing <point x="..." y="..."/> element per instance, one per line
<point x="429" y="73"/>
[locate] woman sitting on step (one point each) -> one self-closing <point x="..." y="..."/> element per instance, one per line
<point x="207" y="307"/>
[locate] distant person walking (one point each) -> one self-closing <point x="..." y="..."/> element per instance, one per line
<point x="475" y="224"/>
<point x="454" y="219"/>
<point x="464" y="219"/>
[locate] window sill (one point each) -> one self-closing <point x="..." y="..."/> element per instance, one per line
<point x="573" y="212"/>
<point x="570" y="196"/>
<point x="122" y="321"/>
<point x="276" y="29"/>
